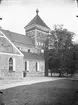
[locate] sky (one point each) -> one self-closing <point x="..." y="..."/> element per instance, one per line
<point x="16" y="14"/>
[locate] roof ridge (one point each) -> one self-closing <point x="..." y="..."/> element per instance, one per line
<point x="18" y="37"/>
<point x="15" y="33"/>
<point x="10" y="31"/>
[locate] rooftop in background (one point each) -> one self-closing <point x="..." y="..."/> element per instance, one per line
<point x="33" y="56"/>
<point x="19" y="38"/>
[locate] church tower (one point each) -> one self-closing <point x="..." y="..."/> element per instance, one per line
<point x="37" y="30"/>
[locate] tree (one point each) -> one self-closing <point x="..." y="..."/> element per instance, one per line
<point x="1" y="1"/>
<point x="62" y="38"/>
<point x="46" y="57"/>
<point x="61" y="41"/>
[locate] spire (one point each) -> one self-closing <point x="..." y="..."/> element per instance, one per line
<point x="37" y="11"/>
<point x="37" y="21"/>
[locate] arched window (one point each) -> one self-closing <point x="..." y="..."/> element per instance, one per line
<point x="10" y="64"/>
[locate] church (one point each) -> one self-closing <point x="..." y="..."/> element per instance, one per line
<point x="23" y="55"/>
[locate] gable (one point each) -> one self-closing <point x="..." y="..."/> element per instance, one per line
<point x="7" y="47"/>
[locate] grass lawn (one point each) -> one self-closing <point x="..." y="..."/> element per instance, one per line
<point x="59" y="92"/>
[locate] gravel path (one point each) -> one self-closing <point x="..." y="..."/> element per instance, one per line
<point x="8" y="83"/>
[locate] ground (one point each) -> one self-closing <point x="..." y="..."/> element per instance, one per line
<point x="58" y="92"/>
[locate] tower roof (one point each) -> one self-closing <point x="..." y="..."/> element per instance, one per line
<point x="37" y="21"/>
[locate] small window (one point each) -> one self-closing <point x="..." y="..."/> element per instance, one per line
<point x="2" y="44"/>
<point x="42" y="51"/>
<point x="28" y="50"/>
<point x="18" y="47"/>
<point x="37" y="43"/>
<point x="41" y="44"/>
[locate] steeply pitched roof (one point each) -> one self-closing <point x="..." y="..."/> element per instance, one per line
<point x="37" y="21"/>
<point x="32" y="56"/>
<point x="19" y="38"/>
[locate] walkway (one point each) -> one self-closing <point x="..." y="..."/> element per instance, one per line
<point x="8" y="83"/>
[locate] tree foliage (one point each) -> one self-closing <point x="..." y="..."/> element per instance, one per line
<point x="61" y="37"/>
<point x="61" y="48"/>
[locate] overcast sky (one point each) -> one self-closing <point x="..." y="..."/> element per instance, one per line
<point x="18" y="13"/>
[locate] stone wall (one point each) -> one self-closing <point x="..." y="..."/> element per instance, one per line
<point x="41" y="36"/>
<point x="26" y="47"/>
<point x="31" y="33"/>
<point x="32" y="67"/>
<point x="19" y="67"/>
<point x="42" y="66"/>
<point x="4" y="66"/>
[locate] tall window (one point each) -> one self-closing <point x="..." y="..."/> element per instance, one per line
<point x="25" y="66"/>
<point x="10" y="64"/>
<point x="36" y="66"/>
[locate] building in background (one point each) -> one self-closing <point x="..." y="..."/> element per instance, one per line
<point x="23" y="55"/>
